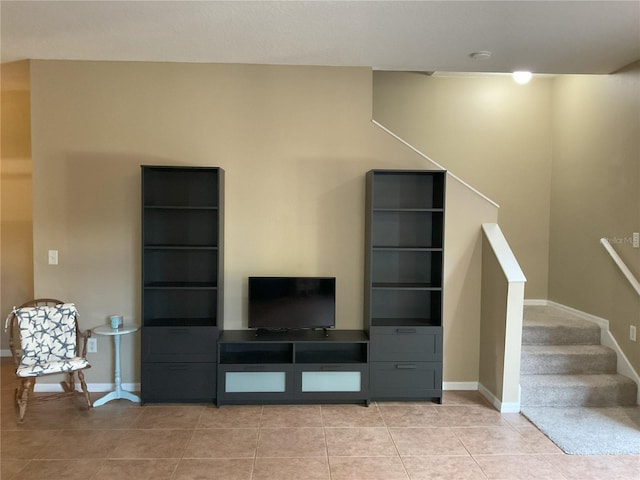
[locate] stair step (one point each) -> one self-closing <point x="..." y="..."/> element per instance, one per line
<point x="601" y="390"/>
<point x="544" y="325"/>
<point x="567" y="359"/>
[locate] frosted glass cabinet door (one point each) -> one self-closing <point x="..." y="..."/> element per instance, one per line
<point x="250" y="382"/>
<point x="331" y="381"/>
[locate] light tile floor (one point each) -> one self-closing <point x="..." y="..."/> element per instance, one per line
<point x="464" y="438"/>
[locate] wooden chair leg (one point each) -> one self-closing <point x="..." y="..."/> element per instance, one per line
<point x="85" y="390"/>
<point x="22" y="396"/>
<point x="72" y="382"/>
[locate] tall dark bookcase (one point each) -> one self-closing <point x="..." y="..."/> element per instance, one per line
<point x="182" y="282"/>
<point x="403" y="283"/>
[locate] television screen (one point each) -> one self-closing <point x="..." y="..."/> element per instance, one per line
<point x="292" y="302"/>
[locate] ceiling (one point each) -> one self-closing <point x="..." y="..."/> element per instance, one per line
<point x="552" y="37"/>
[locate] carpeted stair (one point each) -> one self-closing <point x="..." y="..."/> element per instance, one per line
<point x="563" y="363"/>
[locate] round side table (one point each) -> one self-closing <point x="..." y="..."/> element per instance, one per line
<point x="116" y="333"/>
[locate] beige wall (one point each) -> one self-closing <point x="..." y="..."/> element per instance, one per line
<point x="495" y="135"/>
<point x="596" y="194"/>
<point x="295" y="143"/>
<point x="16" y="259"/>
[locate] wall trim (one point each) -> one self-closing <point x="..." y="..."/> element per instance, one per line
<point x="536" y="302"/>
<point x="135" y="387"/>
<point x="502" y="407"/>
<point x="5" y="353"/>
<point x="460" y="386"/>
<point x="623" y="366"/>
<point x="92" y="387"/>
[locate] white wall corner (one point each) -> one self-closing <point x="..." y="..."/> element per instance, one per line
<point x="502" y="407"/>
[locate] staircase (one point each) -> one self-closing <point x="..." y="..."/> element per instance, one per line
<point x="563" y="363"/>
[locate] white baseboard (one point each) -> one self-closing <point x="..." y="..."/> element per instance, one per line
<point x="624" y="366"/>
<point x="602" y="323"/>
<point x="502" y="407"/>
<point x="92" y="387"/>
<point x="5" y="353"/>
<point x="460" y="386"/>
<point x="536" y="302"/>
<point x="135" y="387"/>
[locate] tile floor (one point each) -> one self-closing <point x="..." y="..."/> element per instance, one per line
<point x="463" y="438"/>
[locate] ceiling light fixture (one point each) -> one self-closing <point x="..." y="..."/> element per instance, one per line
<point x="522" y="77"/>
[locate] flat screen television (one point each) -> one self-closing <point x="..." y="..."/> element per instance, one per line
<point x="284" y="303"/>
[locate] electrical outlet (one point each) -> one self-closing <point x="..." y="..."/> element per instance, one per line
<point x="632" y="333"/>
<point x="92" y="345"/>
<point x="636" y="240"/>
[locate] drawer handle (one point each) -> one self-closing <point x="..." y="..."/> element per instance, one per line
<point x="405" y="330"/>
<point x="406" y="367"/>
<point x="178" y="331"/>
<point x="329" y="368"/>
<point x="253" y="368"/>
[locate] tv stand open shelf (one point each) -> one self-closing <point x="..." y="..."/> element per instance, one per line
<point x="297" y="366"/>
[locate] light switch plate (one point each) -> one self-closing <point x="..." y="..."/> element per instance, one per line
<point x="53" y="257"/>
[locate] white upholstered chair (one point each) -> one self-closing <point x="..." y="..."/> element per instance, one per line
<point x="50" y="342"/>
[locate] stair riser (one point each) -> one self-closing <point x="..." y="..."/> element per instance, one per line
<point x="564" y="365"/>
<point x="624" y="395"/>
<point x="539" y="335"/>
<point x="567" y="364"/>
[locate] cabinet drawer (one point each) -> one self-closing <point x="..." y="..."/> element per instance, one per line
<point x="254" y="383"/>
<point x="398" y="380"/>
<point x="179" y="344"/>
<point x="418" y="344"/>
<point x="333" y="378"/>
<point x="178" y="382"/>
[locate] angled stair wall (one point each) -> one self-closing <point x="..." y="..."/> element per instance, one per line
<point x="563" y="363"/>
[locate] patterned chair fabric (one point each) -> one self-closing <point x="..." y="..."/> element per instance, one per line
<point x="48" y="340"/>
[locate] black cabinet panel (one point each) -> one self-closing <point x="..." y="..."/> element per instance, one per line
<point x="407" y="229"/>
<point x="180" y="266"/>
<point x="179" y="305"/>
<point x="405" y="380"/>
<point x="402" y="267"/>
<point x="406" y="344"/>
<point x="196" y="227"/>
<point x="179" y="344"/>
<point x="178" y="382"/>
<point x="172" y="186"/>
<point x="403" y="306"/>
<point x="406" y="189"/>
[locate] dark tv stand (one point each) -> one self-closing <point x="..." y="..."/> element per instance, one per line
<point x="268" y="331"/>
<point x="293" y="366"/>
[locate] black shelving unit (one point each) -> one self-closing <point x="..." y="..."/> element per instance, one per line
<point x="182" y="281"/>
<point x="403" y="283"/>
<point x="298" y="366"/>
